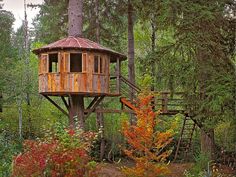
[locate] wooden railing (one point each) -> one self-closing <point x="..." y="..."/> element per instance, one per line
<point x="170" y="103"/>
<point x="167" y="102"/>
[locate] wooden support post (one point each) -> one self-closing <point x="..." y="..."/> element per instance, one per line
<point x="1" y="102"/>
<point x="118" y="76"/>
<point x="100" y="120"/>
<point x="55" y="104"/>
<point x="91" y="104"/>
<point x="65" y="102"/>
<point x="164" y="102"/>
<point x="96" y="103"/>
<point x="71" y="113"/>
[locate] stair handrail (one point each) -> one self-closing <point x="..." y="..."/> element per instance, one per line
<point x="131" y="85"/>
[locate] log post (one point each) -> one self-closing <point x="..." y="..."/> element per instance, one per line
<point x="100" y="124"/>
<point x="164" y="102"/>
<point x="118" y="76"/>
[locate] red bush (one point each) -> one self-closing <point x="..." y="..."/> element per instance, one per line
<point x="64" y="155"/>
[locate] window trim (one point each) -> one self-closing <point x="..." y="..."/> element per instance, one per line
<point x="58" y="63"/>
<point x="84" y="69"/>
<point x="100" y="58"/>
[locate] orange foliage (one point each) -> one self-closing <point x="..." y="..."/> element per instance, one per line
<point x="146" y="144"/>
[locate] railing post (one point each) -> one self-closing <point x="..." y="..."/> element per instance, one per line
<point x="1" y="98"/>
<point x="164" y="102"/>
<point x="118" y="75"/>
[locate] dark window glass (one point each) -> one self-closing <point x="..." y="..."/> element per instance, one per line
<point x="96" y="64"/>
<point x="53" y="62"/>
<point x="101" y="65"/>
<point x="75" y="62"/>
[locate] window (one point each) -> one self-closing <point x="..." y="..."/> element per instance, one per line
<point x="53" y="63"/>
<point x="98" y="64"/>
<point x="75" y="62"/>
<point x="96" y="58"/>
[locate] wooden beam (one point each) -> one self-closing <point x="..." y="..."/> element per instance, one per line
<point x="70" y="101"/>
<point x="55" y="104"/>
<point x="94" y="106"/>
<point x="65" y="102"/>
<point x="92" y="102"/>
<point x="109" y="111"/>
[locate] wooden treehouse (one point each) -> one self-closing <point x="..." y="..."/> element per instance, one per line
<point x="74" y="68"/>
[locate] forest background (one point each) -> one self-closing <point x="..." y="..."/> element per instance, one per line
<point x="179" y="46"/>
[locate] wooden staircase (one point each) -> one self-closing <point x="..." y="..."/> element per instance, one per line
<point x="168" y="104"/>
<point x="184" y="146"/>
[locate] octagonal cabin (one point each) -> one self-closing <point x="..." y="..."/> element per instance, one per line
<point x="76" y="66"/>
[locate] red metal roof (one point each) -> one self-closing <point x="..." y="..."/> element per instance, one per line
<point x="76" y="43"/>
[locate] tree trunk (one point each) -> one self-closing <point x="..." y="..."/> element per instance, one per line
<point x="76" y="102"/>
<point x="75" y="13"/>
<point x="97" y="21"/>
<point x="207" y="135"/>
<point x="131" y="67"/>
<point x="153" y="39"/>
<point x="100" y="124"/>
<point x="27" y="69"/>
<point x="19" y="104"/>
<point x="207" y="143"/>
<point x="76" y="111"/>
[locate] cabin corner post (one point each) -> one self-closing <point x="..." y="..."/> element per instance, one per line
<point x="118" y="66"/>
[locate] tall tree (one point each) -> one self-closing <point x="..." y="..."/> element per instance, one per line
<point x="131" y="63"/>
<point x="52" y="22"/>
<point x="75" y="12"/>
<point x="131" y="66"/>
<point x="75" y="27"/>
<point x="6" y="50"/>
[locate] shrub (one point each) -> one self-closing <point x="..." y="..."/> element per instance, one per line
<point x="146" y="144"/>
<point x="200" y="166"/>
<point x="9" y="146"/>
<point x="64" y="153"/>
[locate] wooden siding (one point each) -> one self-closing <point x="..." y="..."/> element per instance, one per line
<point x="86" y="82"/>
<point x="73" y="82"/>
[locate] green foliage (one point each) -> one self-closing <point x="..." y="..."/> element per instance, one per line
<point x="193" y="39"/>
<point x="9" y="146"/>
<point x="225" y="134"/>
<point x="51" y="23"/>
<point x="6" y="53"/>
<point x="200" y="166"/>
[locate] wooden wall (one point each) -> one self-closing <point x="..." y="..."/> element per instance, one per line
<point x="65" y="81"/>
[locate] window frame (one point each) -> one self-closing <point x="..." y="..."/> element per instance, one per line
<point x="101" y="62"/>
<point x="83" y="62"/>
<point x="58" y="61"/>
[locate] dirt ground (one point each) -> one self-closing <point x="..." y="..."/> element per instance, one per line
<point x="177" y="170"/>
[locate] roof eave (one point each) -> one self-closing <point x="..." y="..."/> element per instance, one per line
<point x="41" y="50"/>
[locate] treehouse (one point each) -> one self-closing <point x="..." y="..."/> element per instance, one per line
<point x="76" y="66"/>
